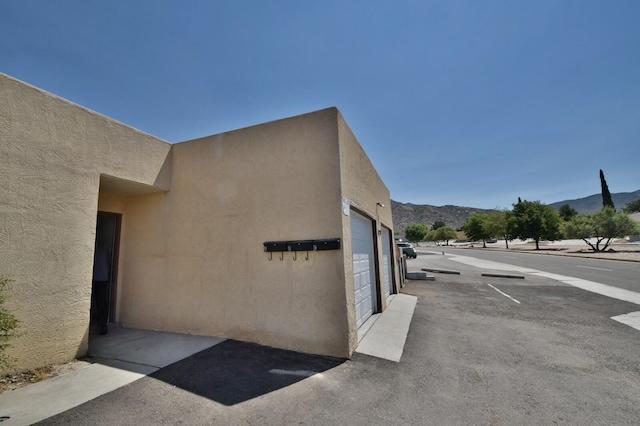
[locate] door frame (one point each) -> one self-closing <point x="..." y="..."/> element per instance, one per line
<point x="392" y="272"/>
<point x="115" y="262"/>
<point x="376" y="305"/>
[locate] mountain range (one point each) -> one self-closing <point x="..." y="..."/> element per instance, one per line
<point x="455" y="216"/>
<point x="593" y="202"/>
<point x="406" y="214"/>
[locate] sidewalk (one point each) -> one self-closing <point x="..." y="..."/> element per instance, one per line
<point x="125" y="355"/>
<point x="122" y="356"/>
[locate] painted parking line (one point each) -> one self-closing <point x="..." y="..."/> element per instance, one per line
<point x="295" y="373"/>
<point x="594" y="287"/>
<point x="489" y="264"/>
<point x="593" y="267"/>
<point x="503" y="293"/>
<point x="631" y="319"/>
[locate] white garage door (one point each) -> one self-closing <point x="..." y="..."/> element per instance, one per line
<point x="386" y="261"/>
<point x="363" y="266"/>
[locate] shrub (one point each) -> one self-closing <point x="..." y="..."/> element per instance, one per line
<point x="8" y="325"/>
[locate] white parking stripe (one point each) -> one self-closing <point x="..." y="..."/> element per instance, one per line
<point x="593" y="267"/>
<point x="631" y="319"/>
<point x="489" y="264"/>
<point x="603" y="289"/>
<point x="594" y="287"/>
<point x="503" y="293"/>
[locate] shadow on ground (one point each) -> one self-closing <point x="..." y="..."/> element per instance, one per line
<point x="233" y="372"/>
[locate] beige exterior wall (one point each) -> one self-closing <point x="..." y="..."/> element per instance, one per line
<point x="195" y="261"/>
<point x="364" y="189"/>
<point x="52" y="153"/>
<point x="195" y="216"/>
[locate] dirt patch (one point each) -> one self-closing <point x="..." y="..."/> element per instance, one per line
<point x="18" y="379"/>
<point x="621" y="251"/>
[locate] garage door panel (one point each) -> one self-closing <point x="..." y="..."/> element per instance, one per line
<point x="386" y="261"/>
<point x="363" y="266"/>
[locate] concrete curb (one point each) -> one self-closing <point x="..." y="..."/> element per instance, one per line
<point x="420" y="276"/>
<point x="502" y="275"/>
<point x="441" y="271"/>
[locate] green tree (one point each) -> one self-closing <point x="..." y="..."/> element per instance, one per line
<point x="567" y="212"/>
<point x="607" y="201"/>
<point x="431" y="236"/>
<point x="416" y="232"/>
<point x="474" y="229"/>
<point x="8" y="326"/>
<point x="437" y="224"/>
<point x="497" y="225"/>
<point x="532" y="219"/>
<point x="604" y="226"/>
<point x="444" y="233"/>
<point x="632" y="207"/>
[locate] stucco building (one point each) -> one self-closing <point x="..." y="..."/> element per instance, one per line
<point x="190" y="229"/>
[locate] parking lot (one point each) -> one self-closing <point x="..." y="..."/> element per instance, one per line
<point x="547" y="354"/>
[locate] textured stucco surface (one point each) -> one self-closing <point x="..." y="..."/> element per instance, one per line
<point x="363" y="187"/>
<point x="52" y="153"/>
<point x="206" y="273"/>
<point x="194" y="218"/>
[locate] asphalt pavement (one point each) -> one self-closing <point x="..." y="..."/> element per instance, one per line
<point x="479" y="350"/>
<point x="239" y="370"/>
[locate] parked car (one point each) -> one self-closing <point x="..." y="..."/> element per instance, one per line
<point x="407" y="249"/>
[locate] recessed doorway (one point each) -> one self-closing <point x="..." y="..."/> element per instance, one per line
<point x="105" y="270"/>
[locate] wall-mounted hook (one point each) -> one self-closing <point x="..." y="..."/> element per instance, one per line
<point x="307" y="256"/>
<point x="272" y="246"/>
<point x="295" y="255"/>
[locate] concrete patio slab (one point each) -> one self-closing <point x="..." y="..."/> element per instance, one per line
<point x="152" y="348"/>
<point x="386" y="336"/>
<point x="121" y="357"/>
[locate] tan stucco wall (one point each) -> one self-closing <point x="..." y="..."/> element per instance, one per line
<point x="195" y="260"/>
<point x="194" y="219"/>
<point x="52" y="153"/>
<point x="363" y="187"/>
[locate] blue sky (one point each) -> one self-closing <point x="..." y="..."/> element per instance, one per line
<point x="472" y="103"/>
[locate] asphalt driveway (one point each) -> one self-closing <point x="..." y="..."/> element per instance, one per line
<point x="472" y="356"/>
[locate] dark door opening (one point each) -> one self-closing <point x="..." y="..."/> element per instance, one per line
<point x="105" y="270"/>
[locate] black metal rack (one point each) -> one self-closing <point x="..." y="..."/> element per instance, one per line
<point x="300" y="245"/>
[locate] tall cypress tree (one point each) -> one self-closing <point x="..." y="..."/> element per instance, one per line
<point x="606" y="195"/>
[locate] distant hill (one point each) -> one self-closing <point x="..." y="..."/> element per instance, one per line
<point x="406" y="214"/>
<point x="455" y="216"/>
<point x="593" y="202"/>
